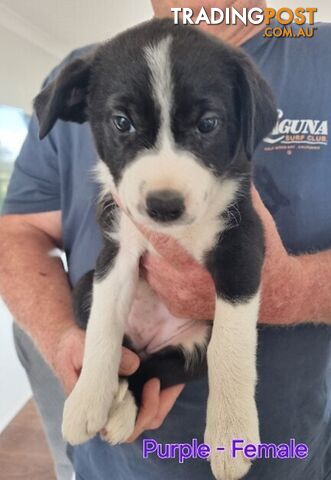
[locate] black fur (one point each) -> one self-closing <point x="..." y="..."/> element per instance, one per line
<point x="235" y="262"/>
<point x="225" y="81"/>
<point x="82" y="299"/>
<point x="208" y="75"/>
<point x="65" y="98"/>
<point x="169" y="364"/>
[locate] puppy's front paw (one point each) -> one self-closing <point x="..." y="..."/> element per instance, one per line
<point x="85" y="413"/>
<point x="122" y="416"/>
<point x="226" y="468"/>
<point x="220" y="432"/>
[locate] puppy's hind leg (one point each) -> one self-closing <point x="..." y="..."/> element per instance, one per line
<point x="171" y="366"/>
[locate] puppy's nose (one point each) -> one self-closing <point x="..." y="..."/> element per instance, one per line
<point x="165" y="205"/>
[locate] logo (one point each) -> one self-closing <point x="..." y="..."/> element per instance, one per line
<point x="286" y="17"/>
<point x="292" y="23"/>
<point x="297" y="133"/>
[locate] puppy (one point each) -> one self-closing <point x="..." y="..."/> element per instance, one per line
<point x="176" y="116"/>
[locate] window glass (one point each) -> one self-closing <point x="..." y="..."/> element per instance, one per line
<point x="13" y="130"/>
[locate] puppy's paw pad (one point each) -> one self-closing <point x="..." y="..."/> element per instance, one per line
<point x="122" y="416"/>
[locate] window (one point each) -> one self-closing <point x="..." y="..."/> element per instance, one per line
<point x="13" y="130"/>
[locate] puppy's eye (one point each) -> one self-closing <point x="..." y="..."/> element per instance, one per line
<point x="123" y="124"/>
<point x="207" y="124"/>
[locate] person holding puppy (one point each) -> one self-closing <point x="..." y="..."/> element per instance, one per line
<point x="46" y="208"/>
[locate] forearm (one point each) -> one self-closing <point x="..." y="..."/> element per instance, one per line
<point x="316" y="304"/>
<point x="34" y="285"/>
<point x="297" y="291"/>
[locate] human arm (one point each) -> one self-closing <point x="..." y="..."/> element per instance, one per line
<point x="295" y="289"/>
<point x="34" y="285"/>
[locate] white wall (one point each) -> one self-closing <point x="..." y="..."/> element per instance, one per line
<point x="36" y="34"/>
<point x="23" y="67"/>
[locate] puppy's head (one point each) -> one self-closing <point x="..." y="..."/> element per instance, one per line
<point x="176" y="116"/>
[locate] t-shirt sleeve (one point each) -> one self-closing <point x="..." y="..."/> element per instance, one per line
<point x="34" y="185"/>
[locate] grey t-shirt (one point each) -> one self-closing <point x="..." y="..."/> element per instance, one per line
<point x="293" y="176"/>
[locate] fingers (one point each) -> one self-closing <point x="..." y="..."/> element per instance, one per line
<point x="155" y="406"/>
<point x="69" y="379"/>
<point x="129" y="362"/>
<point x="69" y="357"/>
<point x="148" y="409"/>
<point x="70" y="367"/>
<point x="168" y="397"/>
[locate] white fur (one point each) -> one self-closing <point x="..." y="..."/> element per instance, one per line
<point x="104" y="178"/>
<point x="231" y="410"/>
<point x="98" y="396"/>
<point x="87" y="408"/>
<point x="158" y="60"/>
<point x="167" y="167"/>
<point x="122" y="416"/>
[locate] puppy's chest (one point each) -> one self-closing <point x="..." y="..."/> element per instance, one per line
<point x="196" y="239"/>
<point x="151" y="327"/>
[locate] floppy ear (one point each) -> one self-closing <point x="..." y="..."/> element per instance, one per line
<point x="258" y="112"/>
<point x="65" y="97"/>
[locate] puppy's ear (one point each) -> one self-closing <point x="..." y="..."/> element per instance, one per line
<point x="257" y="110"/>
<point x="65" y="97"/>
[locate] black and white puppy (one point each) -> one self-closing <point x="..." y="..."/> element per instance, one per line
<point x="176" y="116"/>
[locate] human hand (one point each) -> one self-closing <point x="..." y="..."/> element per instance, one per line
<point x="283" y="277"/>
<point x="155" y="406"/>
<point x="188" y="289"/>
<point x="68" y="359"/>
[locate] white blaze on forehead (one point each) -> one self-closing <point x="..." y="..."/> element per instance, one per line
<point x="158" y="61"/>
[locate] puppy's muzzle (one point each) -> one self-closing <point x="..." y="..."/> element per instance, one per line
<point x="165" y="205"/>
